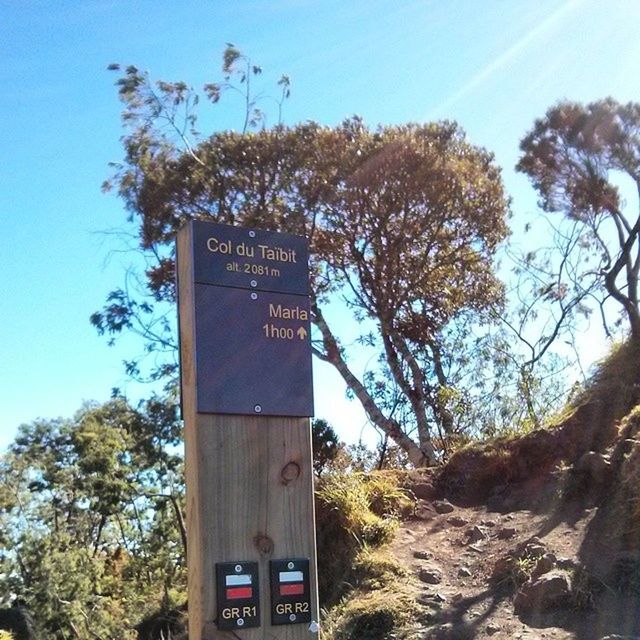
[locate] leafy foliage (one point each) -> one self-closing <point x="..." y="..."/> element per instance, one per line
<point x="403" y="224"/>
<point x="325" y="445"/>
<point x="356" y="514"/>
<point x="91" y="519"/>
<point x="576" y="157"/>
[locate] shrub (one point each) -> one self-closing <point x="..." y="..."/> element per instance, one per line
<point x="353" y="512"/>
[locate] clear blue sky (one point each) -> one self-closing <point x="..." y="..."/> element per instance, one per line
<point x="494" y="65"/>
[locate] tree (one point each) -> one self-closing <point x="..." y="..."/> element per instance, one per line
<point x="91" y="520"/>
<point x="325" y="444"/>
<point x="577" y="158"/>
<point x="403" y="223"/>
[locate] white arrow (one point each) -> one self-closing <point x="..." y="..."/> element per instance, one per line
<point x="302" y="333"/>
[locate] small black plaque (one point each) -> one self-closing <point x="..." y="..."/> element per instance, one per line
<point x="254" y="352"/>
<point x="230" y="256"/>
<point x="290" y="591"/>
<point x="238" y="595"/>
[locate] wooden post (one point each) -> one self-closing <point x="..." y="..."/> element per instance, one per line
<point x="249" y="481"/>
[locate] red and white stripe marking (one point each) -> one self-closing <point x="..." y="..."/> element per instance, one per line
<point x="238" y="587"/>
<point x="291" y="583"/>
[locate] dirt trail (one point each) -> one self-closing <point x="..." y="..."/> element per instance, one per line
<point x="454" y="554"/>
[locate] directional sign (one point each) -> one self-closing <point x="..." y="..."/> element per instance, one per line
<point x="253" y="354"/>
<point x="238" y="597"/>
<point x="250" y="258"/>
<point x="252" y="321"/>
<point x="245" y="349"/>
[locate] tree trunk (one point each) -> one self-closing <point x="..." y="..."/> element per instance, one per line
<point x="419" y="456"/>
<point x="181" y="526"/>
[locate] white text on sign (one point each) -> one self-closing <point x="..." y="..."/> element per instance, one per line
<point x="292" y="607"/>
<point x="263" y="251"/>
<point x="283" y="333"/>
<point x="230" y="613"/>
<point x="276" y="332"/>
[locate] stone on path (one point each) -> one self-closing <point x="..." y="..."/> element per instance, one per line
<point x="443" y="506"/>
<point x="546" y="593"/>
<point x="430" y="575"/>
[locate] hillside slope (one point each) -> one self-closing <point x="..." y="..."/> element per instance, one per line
<point x="531" y="537"/>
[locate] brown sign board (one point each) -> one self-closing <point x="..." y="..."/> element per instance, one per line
<point x="253" y="354"/>
<point x="252" y="322"/>
<point x="250" y="258"/>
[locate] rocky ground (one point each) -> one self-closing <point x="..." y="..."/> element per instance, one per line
<point x="529" y="536"/>
<point x="497" y="572"/>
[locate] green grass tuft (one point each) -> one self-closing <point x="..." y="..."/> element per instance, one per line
<point x="357" y="515"/>
<point x="377" y="615"/>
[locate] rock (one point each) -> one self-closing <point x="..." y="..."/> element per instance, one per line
<point x="533" y="548"/>
<point x="422" y="555"/>
<point x="450" y="631"/>
<point x="476" y="534"/>
<point x="492" y="628"/>
<point x="546" y="593"/>
<point x="441" y="632"/>
<point x="488" y="523"/>
<point x="426" y="600"/>
<point x="592" y="464"/>
<point x="464" y="572"/>
<point x="424" y="491"/>
<point x="507" y="532"/>
<point x="423" y="513"/>
<point x="430" y="575"/>
<point x="457" y="521"/>
<point x="544" y="565"/>
<point x="565" y="563"/>
<point x="443" y="506"/>
<point x="501" y="568"/>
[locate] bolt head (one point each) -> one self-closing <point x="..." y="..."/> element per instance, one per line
<point x="258" y="408"/>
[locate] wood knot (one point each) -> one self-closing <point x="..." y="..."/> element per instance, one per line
<point x="290" y="472"/>
<point x="264" y="544"/>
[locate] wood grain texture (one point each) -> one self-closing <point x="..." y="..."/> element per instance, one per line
<point x="249" y="486"/>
